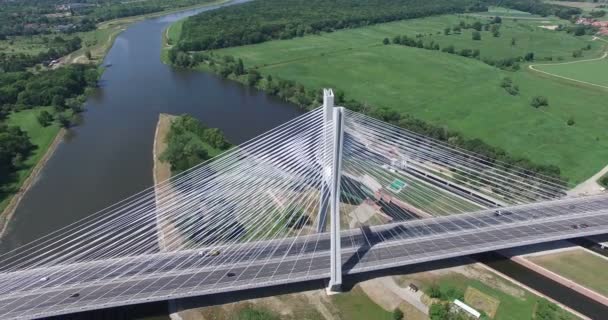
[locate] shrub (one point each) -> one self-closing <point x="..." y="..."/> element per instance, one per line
<point x="385" y="41"/>
<point x="539" y="101"/>
<point x="397" y="314"/>
<point x="570" y="121"/>
<point x="476" y="35"/>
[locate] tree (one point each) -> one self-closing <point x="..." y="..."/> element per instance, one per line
<point x="495" y="30"/>
<point x="88" y="54"/>
<point x="446" y="31"/>
<point x="476" y="35"/>
<point x="397" y="314"/>
<point x="456" y="29"/>
<point x="385" y="41"/>
<point x="58" y="102"/>
<point x="513" y="42"/>
<point x="240" y="68"/>
<point x="539" y="101"/>
<point x="477" y="25"/>
<point x="529" y="56"/>
<point x="439" y="311"/>
<point x="253" y="77"/>
<point x="434" y="291"/>
<point x="63" y="120"/>
<point x="45" y="118"/>
<point x="497" y="19"/>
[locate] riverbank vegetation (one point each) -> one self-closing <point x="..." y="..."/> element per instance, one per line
<point x="189" y="143"/>
<point x="455" y="98"/>
<point x="33" y="108"/>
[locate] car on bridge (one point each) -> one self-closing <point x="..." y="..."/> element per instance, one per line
<point x="580" y="226"/>
<point x="500" y="213"/>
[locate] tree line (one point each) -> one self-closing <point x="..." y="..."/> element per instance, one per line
<point x="264" y="20"/>
<point x="58" y="47"/>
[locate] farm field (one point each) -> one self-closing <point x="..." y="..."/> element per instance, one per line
<point x="578" y="265"/>
<point x="459" y="93"/>
<point x="594" y="71"/>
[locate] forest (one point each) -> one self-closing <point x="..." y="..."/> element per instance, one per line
<point x="264" y="20"/>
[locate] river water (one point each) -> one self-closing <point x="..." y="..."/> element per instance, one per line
<point x="108" y="156"/>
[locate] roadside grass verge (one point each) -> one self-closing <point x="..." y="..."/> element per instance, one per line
<point x="579" y="266"/>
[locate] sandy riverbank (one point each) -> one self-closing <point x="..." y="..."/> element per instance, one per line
<point x="7" y="213"/>
<point x="168" y="237"/>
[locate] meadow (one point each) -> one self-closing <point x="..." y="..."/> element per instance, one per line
<point x="593" y="71"/>
<point x="461" y="94"/>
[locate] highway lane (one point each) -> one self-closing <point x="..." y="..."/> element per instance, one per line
<point x="274" y="270"/>
<point x="119" y="269"/>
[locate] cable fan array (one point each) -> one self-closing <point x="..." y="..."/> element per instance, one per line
<point x="250" y="218"/>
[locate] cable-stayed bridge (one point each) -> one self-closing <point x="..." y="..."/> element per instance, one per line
<point x="330" y="193"/>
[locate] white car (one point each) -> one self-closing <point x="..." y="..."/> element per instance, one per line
<point x="43" y="279"/>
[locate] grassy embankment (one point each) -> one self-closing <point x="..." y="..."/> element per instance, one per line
<point x="41" y="137"/>
<point x="459" y="93"/>
<point x="580" y="266"/>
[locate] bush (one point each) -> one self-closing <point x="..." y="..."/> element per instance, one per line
<point x="570" y="121"/>
<point x="385" y="41"/>
<point x="397" y="314"/>
<point x="539" y="101"/>
<point x="476" y="35"/>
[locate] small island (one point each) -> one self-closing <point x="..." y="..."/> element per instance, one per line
<point x="180" y="143"/>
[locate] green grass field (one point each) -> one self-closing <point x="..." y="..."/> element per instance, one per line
<point x="40" y="136"/>
<point x="511" y="307"/>
<point x="588" y="71"/>
<point x="459" y="93"/>
<point x="578" y="265"/>
<point x="356" y="305"/>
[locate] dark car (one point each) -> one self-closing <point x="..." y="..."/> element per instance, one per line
<point x="579" y="226"/>
<point x="75" y="295"/>
<point x="499" y="213"/>
<point x="230" y="274"/>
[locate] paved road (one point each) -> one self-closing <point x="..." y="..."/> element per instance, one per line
<point x="172" y="275"/>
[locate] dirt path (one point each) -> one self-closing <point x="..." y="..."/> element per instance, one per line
<point x="9" y="211"/>
<point x="589" y="186"/>
<point x="533" y="67"/>
<point x="161" y="173"/>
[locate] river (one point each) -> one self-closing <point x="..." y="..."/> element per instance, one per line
<point x="108" y="156"/>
